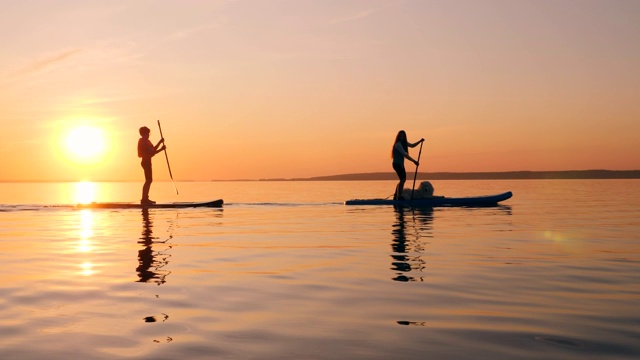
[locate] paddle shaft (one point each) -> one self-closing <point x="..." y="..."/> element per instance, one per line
<point x="416" y="174"/>
<point x="167" y="157"/>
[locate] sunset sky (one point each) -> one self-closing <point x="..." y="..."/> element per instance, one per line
<point x="301" y="88"/>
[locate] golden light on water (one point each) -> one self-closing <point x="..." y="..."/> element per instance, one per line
<point x="86" y="231"/>
<point x="85" y="192"/>
<point x="85" y="243"/>
<point x="87" y="268"/>
<point x="561" y="237"/>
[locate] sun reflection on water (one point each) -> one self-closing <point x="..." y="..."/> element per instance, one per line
<point x="85" y="243"/>
<point x="85" y="192"/>
<point x="86" y="231"/>
<point x="87" y="268"/>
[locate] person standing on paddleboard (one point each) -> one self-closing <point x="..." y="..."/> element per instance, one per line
<point x="399" y="152"/>
<point x="146" y="151"/>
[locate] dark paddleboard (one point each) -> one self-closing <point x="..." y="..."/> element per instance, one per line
<point x="486" y="200"/>
<point x="176" y="205"/>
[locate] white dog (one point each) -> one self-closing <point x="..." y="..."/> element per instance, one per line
<point x="425" y="190"/>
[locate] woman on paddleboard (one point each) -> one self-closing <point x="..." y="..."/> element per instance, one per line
<point x="399" y="152"/>
<point x="146" y="151"/>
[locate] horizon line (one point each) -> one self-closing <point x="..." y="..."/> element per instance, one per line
<point x="441" y="175"/>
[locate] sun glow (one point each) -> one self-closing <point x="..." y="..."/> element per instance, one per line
<point x="85" y="144"/>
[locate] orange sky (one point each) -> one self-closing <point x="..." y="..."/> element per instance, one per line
<point x="270" y="89"/>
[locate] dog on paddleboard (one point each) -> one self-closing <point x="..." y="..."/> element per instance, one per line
<point x="424" y="191"/>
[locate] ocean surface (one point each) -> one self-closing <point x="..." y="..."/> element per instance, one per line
<point x="286" y="271"/>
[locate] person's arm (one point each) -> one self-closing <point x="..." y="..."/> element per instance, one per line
<point x="404" y="153"/>
<point x="157" y="148"/>
<point x="416" y="143"/>
<point x="158" y="144"/>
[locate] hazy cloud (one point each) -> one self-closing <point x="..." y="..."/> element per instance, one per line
<point x="357" y="16"/>
<point x="100" y="55"/>
<point x="362" y="14"/>
<point x="50" y="61"/>
<point x="180" y="34"/>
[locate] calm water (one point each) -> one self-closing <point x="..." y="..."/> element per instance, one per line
<point x="285" y="270"/>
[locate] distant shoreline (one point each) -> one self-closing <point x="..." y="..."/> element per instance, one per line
<point x="504" y="175"/>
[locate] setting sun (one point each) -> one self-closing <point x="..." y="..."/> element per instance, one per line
<point x="85" y="144"/>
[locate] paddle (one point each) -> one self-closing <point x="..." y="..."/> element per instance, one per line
<point x="416" y="174"/>
<point x="169" y="166"/>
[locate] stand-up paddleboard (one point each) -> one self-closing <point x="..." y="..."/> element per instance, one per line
<point x="176" y="205"/>
<point x="487" y="200"/>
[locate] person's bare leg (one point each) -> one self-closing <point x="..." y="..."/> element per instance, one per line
<point x="399" y="188"/>
<point x="145" y="190"/>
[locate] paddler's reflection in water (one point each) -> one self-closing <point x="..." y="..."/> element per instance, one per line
<point x="411" y="228"/>
<point x="150" y="262"/>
